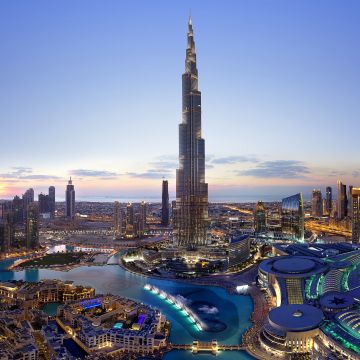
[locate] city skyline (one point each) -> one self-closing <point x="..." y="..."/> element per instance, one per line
<point x="266" y="143"/>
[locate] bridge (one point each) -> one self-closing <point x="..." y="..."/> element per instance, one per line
<point x="214" y="347"/>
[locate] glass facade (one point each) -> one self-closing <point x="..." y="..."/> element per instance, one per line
<point x="292" y="217"/>
<point x="191" y="211"/>
<point x="355" y="195"/>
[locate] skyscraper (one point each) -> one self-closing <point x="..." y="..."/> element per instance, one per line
<point x="28" y="198"/>
<point x="260" y="218"/>
<point x="52" y="201"/>
<point x="165" y="203"/>
<point x="316" y="203"/>
<point x="18" y="209"/>
<point x="191" y="213"/>
<point x="129" y="220"/>
<point x="341" y="200"/>
<point x="349" y="198"/>
<point x="44" y="205"/>
<point x="328" y="200"/>
<point x="7" y="232"/>
<point x="142" y="220"/>
<point x="292" y="217"/>
<point x="355" y="194"/>
<point x="70" y="200"/>
<point x="32" y="226"/>
<point x="118" y="220"/>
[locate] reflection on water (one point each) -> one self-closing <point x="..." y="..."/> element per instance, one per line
<point x="230" y="320"/>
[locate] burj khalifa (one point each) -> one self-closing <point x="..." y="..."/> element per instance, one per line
<point x="191" y="211"/>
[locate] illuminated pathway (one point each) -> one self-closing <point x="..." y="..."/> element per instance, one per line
<point x="178" y="304"/>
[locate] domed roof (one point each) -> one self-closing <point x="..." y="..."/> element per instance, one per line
<point x="294" y="265"/>
<point x="295" y="317"/>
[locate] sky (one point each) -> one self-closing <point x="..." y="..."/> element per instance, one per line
<point x="92" y="89"/>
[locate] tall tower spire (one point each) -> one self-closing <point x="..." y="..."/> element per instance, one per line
<point x="191" y="212"/>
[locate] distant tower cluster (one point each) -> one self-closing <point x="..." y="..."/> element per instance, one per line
<point x="316" y="203"/>
<point x="165" y="203"/>
<point x="47" y="203"/>
<point x="70" y="200"/>
<point x="130" y="223"/>
<point x="191" y="212"/>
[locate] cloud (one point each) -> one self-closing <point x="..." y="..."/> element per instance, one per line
<point x="151" y="174"/>
<point x="39" y="177"/>
<point x="94" y="173"/>
<point x="337" y="173"/>
<point x="25" y="173"/>
<point x="234" y="159"/>
<point x="285" y="169"/>
<point x="356" y="173"/>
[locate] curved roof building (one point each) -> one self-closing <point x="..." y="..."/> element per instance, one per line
<point x="285" y="276"/>
<point x="291" y="328"/>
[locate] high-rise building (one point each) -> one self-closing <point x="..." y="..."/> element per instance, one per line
<point x="44" y="204"/>
<point x="7" y="232"/>
<point x="165" y="203"/>
<point x="341" y="201"/>
<point x="191" y="213"/>
<point x="28" y="198"/>
<point x="18" y="210"/>
<point x="328" y="200"/>
<point x="141" y="220"/>
<point x="32" y="226"/>
<point x="260" y="218"/>
<point x="52" y="201"/>
<point x="129" y="220"/>
<point x="292" y="217"/>
<point x="349" y="197"/>
<point x="118" y="220"/>
<point x="70" y="200"/>
<point x="316" y="203"/>
<point x="355" y="194"/>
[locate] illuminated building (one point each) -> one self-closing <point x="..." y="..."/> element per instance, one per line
<point x="292" y="217"/>
<point x="355" y="196"/>
<point x="291" y="329"/>
<point x="27" y="198"/>
<point x="239" y="250"/>
<point x="18" y="210"/>
<point x="191" y="212"/>
<point x="52" y="201"/>
<point x="7" y="232"/>
<point x="328" y="200"/>
<point x="260" y="218"/>
<point x="341" y="201"/>
<point x="44" y="205"/>
<point x="326" y="323"/>
<point x="165" y="203"/>
<point x="32" y="226"/>
<point x="118" y="220"/>
<point x="349" y="197"/>
<point x="129" y="220"/>
<point x="316" y="203"/>
<point x="285" y="277"/>
<point x="70" y="200"/>
<point x="142" y="220"/>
